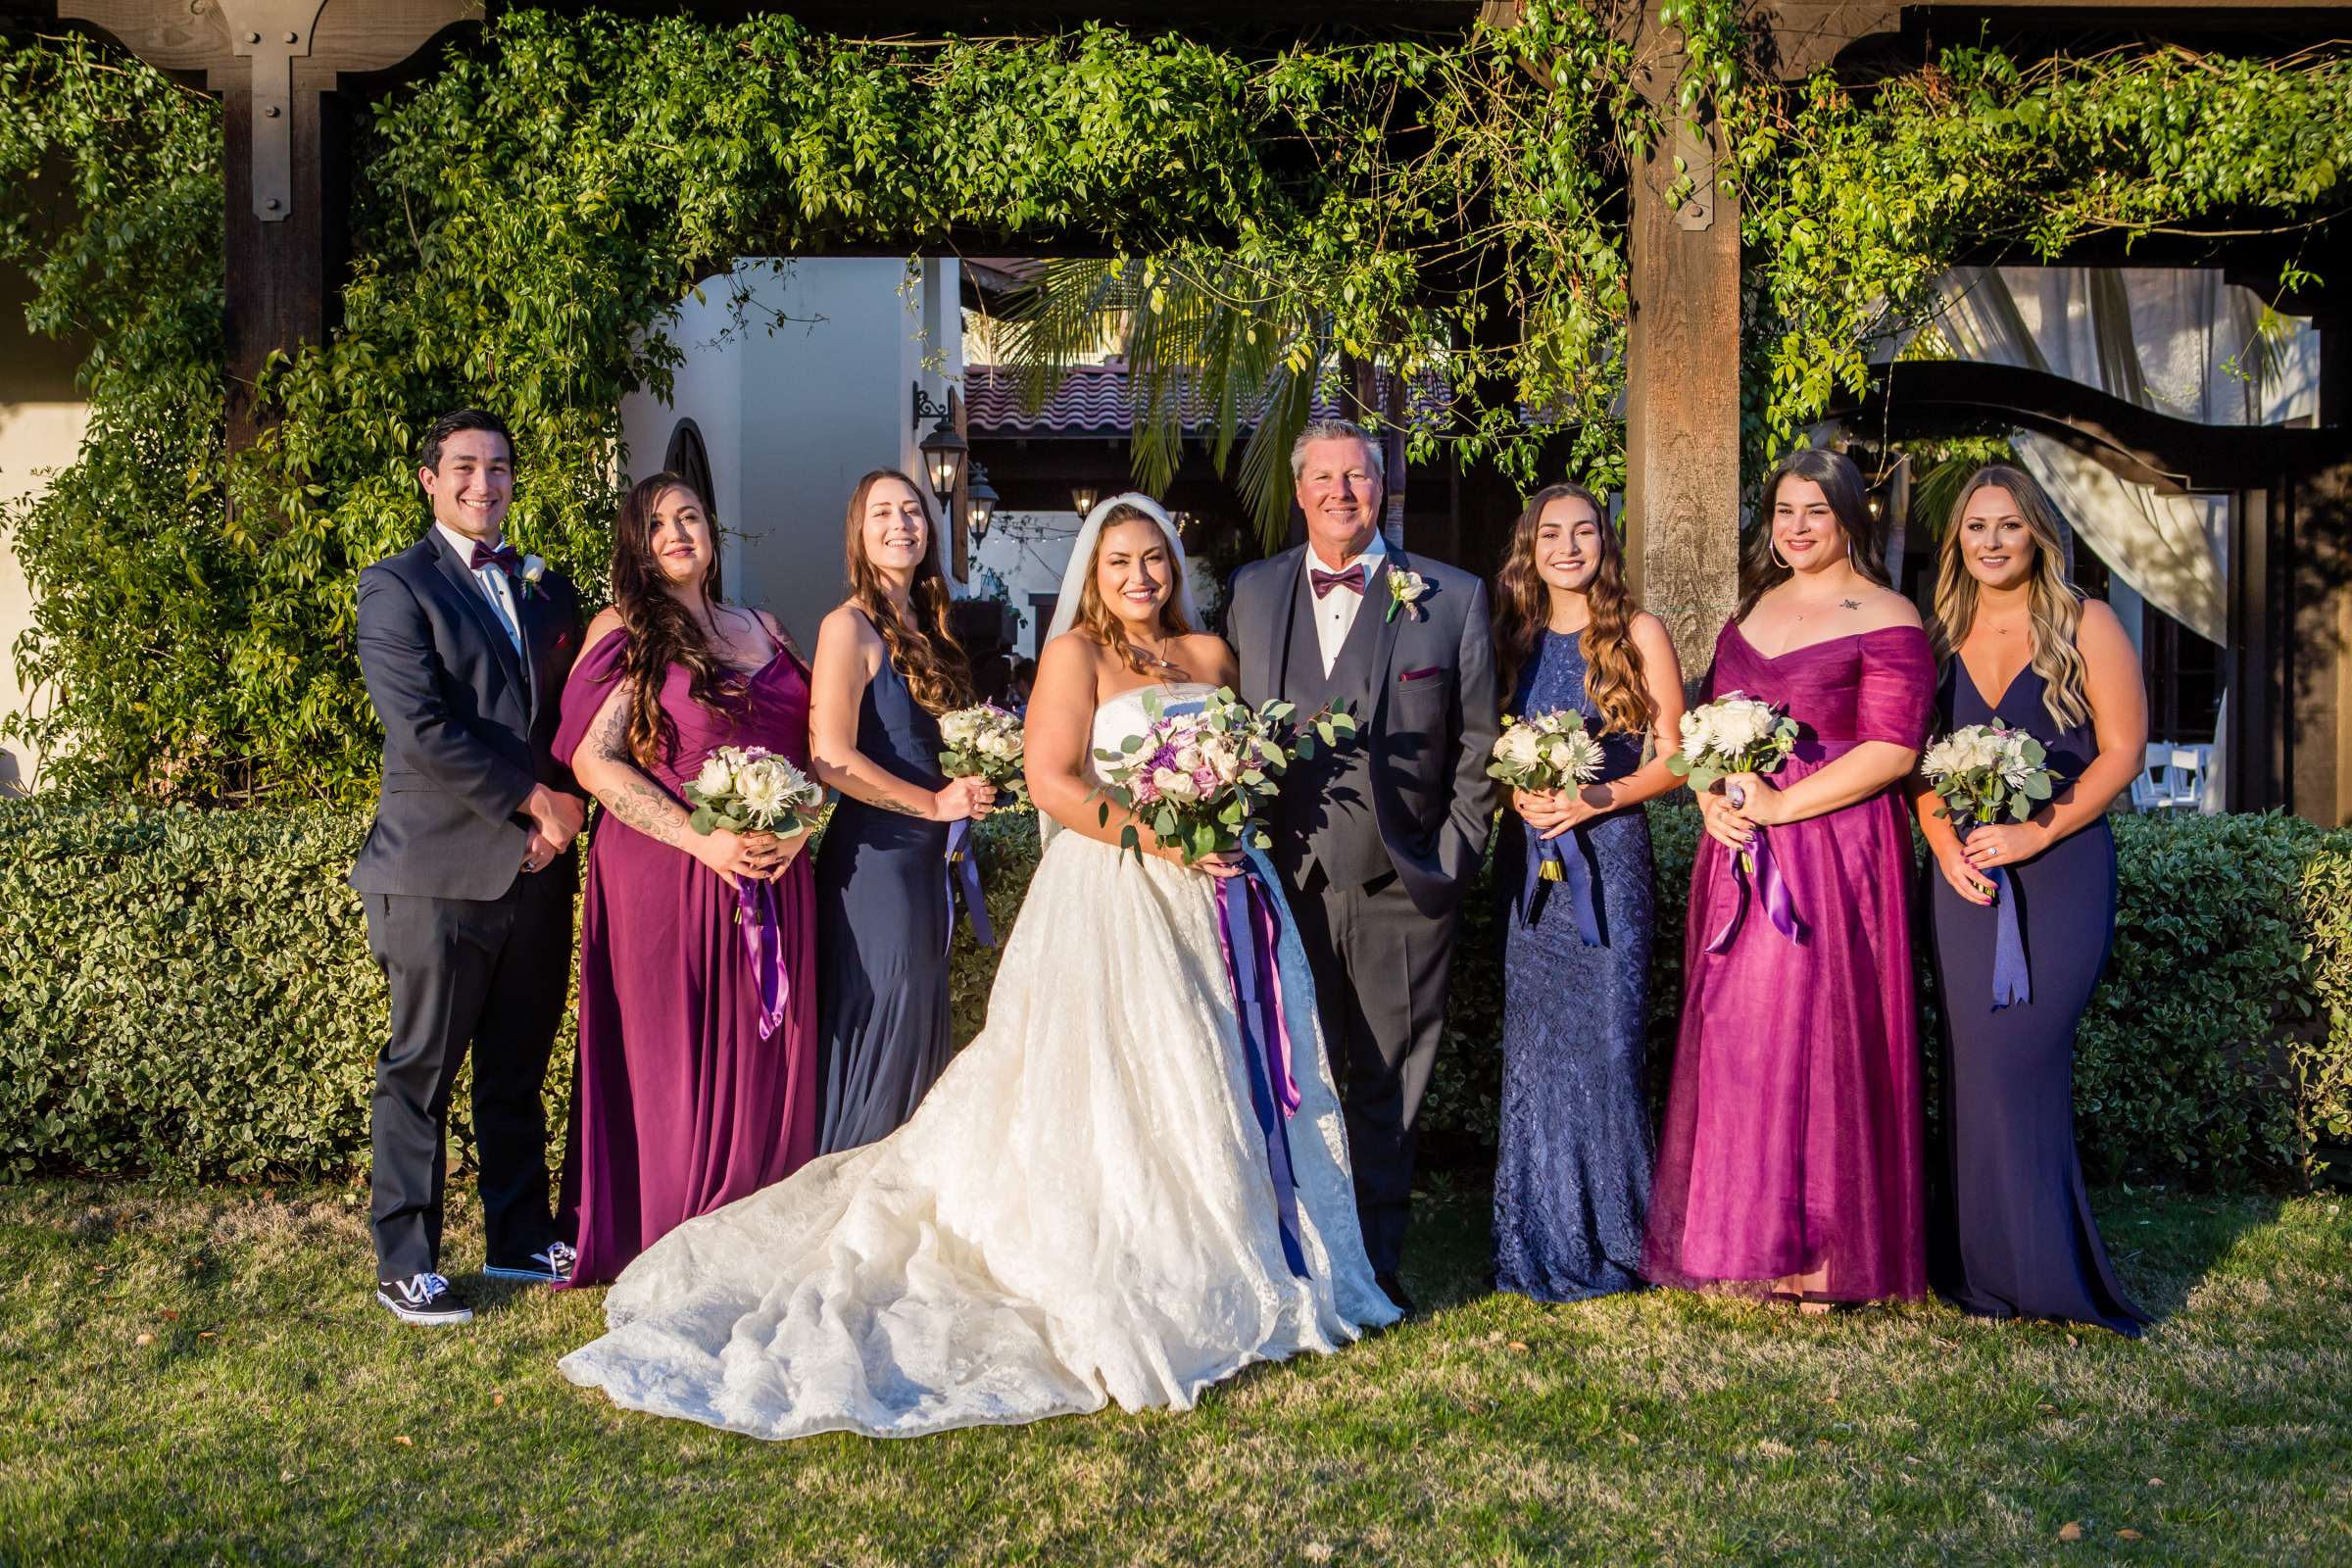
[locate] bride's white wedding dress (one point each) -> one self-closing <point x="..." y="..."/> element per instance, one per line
<point x="1080" y="1212"/>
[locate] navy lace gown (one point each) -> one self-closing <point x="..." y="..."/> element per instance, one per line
<point x="1572" y="1176"/>
<point x="2010" y="1232"/>
<point x="882" y="935"/>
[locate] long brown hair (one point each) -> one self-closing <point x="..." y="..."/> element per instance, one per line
<point x="2055" y="607"/>
<point x="922" y="647"/>
<point x="1761" y="571"/>
<point x="1613" y="675"/>
<point x="661" y="631"/>
<point x="1096" y="616"/>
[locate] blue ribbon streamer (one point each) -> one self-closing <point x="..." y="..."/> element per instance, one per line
<point x="1250" y="961"/>
<point x="2012" y="980"/>
<point x="963" y="870"/>
<point x="1572" y="852"/>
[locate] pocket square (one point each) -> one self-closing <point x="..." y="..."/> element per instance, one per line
<point x="1410" y="677"/>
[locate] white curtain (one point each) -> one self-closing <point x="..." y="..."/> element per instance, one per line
<point x="2178" y="341"/>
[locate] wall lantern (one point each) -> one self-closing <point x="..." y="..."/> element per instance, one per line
<point x="944" y="450"/>
<point x="979" y="504"/>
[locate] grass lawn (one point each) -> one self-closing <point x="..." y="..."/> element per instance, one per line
<point x="199" y="1375"/>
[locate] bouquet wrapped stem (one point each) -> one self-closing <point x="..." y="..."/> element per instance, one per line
<point x="1741" y="734"/>
<point x="1545" y="751"/>
<point x="1986" y="773"/>
<point x="984" y="742"/>
<point x="748" y="789"/>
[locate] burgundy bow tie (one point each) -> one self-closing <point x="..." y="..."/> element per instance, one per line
<point x="1351" y="580"/>
<point x="505" y="558"/>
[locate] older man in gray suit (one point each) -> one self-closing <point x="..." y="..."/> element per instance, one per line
<point x="1378" y="840"/>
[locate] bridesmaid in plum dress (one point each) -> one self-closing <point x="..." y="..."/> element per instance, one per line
<point x="1789" y="1163"/>
<point x="2011" y="1231"/>
<point x="688" y="1095"/>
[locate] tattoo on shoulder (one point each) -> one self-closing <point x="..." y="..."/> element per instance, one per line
<point x="1850" y="604"/>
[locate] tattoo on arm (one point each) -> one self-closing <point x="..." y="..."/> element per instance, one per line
<point x="888" y="804"/>
<point x="639" y="801"/>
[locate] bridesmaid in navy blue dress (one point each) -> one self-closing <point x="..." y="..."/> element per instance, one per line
<point x="2010" y="1228"/>
<point x="886" y="669"/>
<point x="1572" y="1175"/>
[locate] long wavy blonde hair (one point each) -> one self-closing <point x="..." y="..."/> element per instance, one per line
<point x="921" y="645"/>
<point x="1613" y="675"/>
<point x="1097" y="618"/>
<point x="2056" y="608"/>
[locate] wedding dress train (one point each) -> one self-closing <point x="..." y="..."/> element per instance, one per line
<point x="1080" y="1212"/>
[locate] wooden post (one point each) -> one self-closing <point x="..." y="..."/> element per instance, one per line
<point x="277" y="65"/>
<point x="1682" y="457"/>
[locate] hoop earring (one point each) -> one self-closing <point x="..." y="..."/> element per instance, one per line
<point x="1771" y="548"/>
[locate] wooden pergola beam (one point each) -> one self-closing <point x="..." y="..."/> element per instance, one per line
<point x="277" y="65"/>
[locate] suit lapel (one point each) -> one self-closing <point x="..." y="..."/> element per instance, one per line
<point x="1376" y="602"/>
<point x="1288" y="620"/>
<point x="485" y="614"/>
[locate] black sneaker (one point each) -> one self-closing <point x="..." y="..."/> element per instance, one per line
<point x="422" y="1298"/>
<point x="550" y="1267"/>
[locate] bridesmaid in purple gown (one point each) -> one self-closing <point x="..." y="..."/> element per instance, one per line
<point x="1789" y="1163"/>
<point x="682" y="1102"/>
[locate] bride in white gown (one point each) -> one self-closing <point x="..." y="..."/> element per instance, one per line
<point x="1083" y="1208"/>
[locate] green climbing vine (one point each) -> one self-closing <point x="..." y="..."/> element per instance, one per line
<point x="528" y="217"/>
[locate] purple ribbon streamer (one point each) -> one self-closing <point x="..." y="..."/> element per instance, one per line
<point x="1256" y="975"/>
<point x="763" y="940"/>
<point x="1570" y="852"/>
<point x="2012" y="979"/>
<point x="963" y="870"/>
<point x="1771" y="886"/>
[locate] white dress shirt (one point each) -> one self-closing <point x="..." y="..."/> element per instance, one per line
<point x="496" y="583"/>
<point x="1336" y="610"/>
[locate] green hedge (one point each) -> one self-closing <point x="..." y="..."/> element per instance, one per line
<point x="191" y="992"/>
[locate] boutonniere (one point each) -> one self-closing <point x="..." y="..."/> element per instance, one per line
<point x="534" y="568"/>
<point x="1406" y="590"/>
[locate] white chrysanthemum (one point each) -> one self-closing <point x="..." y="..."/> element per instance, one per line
<point x="1519" y="748"/>
<point x="1578" y="757"/>
<point x="716" y="776"/>
<point x="765" y="790"/>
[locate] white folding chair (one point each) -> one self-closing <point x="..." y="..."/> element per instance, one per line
<point x="2189" y="766"/>
<point x="2152" y="785"/>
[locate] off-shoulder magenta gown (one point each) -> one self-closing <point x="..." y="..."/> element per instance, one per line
<point x="679" y="1105"/>
<point x="1793" y="1139"/>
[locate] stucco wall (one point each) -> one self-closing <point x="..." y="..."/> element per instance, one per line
<point x="797" y="394"/>
<point x="41" y="421"/>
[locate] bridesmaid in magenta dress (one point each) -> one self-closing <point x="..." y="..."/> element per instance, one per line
<point x="1790" y="1160"/>
<point x="683" y="1101"/>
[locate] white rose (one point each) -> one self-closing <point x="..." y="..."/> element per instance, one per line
<point x="958" y="728"/>
<point x="1224" y="759"/>
<point x="1175" y="786"/>
<point x="716" y="775"/>
<point x="1519" y="746"/>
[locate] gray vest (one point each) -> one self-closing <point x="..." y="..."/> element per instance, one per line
<point x="1324" y="813"/>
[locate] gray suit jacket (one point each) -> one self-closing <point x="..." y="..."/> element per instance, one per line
<point x="1433" y="717"/>
<point x="468" y="727"/>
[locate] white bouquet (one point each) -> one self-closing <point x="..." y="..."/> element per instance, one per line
<point x="1200" y="780"/>
<point x="1545" y="751"/>
<point x="1732" y="734"/>
<point x="984" y="742"/>
<point x="748" y="789"/>
<point x="1985" y="772"/>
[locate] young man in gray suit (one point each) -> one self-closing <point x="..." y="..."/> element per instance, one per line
<point x="1378" y="840"/>
<point x="466" y="874"/>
